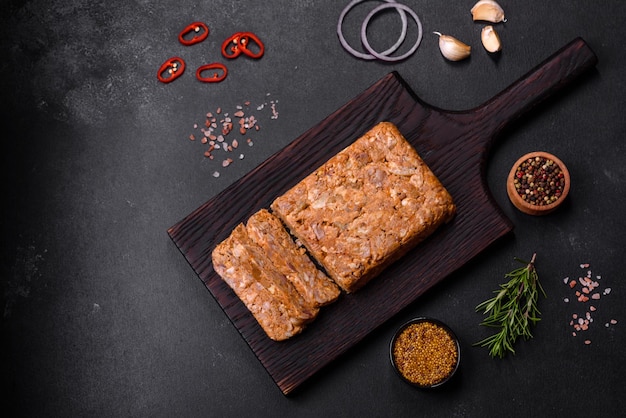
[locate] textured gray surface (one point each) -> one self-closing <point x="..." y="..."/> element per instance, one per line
<point x="102" y="315"/>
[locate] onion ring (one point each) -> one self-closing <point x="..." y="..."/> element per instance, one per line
<point x="362" y="55"/>
<point x="383" y="56"/>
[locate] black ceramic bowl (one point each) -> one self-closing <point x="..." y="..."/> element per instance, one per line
<point x="425" y="353"/>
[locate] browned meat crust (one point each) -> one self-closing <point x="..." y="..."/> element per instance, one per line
<point x="290" y="260"/>
<point x="271" y="298"/>
<point x="366" y="206"/>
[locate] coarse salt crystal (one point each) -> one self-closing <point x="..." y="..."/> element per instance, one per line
<point x="607" y="291"/>
<point x="565" y="300"/>
<point x="613" y="321"/>
<point x="595" y="296"/>
<point x="587" y="342"/>
<point x="216" y="174"/>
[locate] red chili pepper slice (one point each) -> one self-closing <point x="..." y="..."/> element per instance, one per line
<point x="215" y="77"/>
<point x="194" y="27"/>
<point x="174" y="67"/>
<point x="239" y="44"/>
<point x="230" y="47"/>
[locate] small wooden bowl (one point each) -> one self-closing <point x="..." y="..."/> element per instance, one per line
<point x="530" y="208"/>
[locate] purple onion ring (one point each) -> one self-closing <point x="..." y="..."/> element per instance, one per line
<point x="382" y="56"/>
<point x="361" y="55"/>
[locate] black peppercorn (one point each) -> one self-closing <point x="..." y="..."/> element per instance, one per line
<point x="539" y="181"/>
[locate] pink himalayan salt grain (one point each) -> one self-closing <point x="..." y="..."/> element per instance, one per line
<point x="245" y="122"/>
<point x="587" y="286"/>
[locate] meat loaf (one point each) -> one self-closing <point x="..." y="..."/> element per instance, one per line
<point x="291" y="260"/>
<point x="273" y="301"/>
<point x="365" y="207"/>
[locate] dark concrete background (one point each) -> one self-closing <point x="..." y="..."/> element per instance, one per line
<point x="102" y="316"/>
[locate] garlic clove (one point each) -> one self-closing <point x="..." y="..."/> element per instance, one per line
<point x="490" y="39"/>
<point x="453" y="49"/>
<point x="489" y="11"/>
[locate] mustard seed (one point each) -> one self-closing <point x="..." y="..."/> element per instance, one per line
<point x="425" y="353"/>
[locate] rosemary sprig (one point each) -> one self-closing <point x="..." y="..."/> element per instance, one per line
<point x="513" y="309"/>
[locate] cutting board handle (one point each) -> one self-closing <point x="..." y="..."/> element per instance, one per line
<point x="554" y="73"/>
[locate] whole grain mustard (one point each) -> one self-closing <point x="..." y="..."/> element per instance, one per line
<point x="425" y="353"/>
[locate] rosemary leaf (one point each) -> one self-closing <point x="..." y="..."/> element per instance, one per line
<point x="513" y="309"/>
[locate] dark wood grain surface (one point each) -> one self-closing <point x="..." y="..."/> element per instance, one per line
<point x="454" y="144"/>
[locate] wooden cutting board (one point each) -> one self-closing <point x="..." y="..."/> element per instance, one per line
<point x="455" y="146"/>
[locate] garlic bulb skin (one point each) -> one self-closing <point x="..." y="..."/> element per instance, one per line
<point x="453" y="49"/>
<point x="488" y="11"/>
<point x="490" y="39"/>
